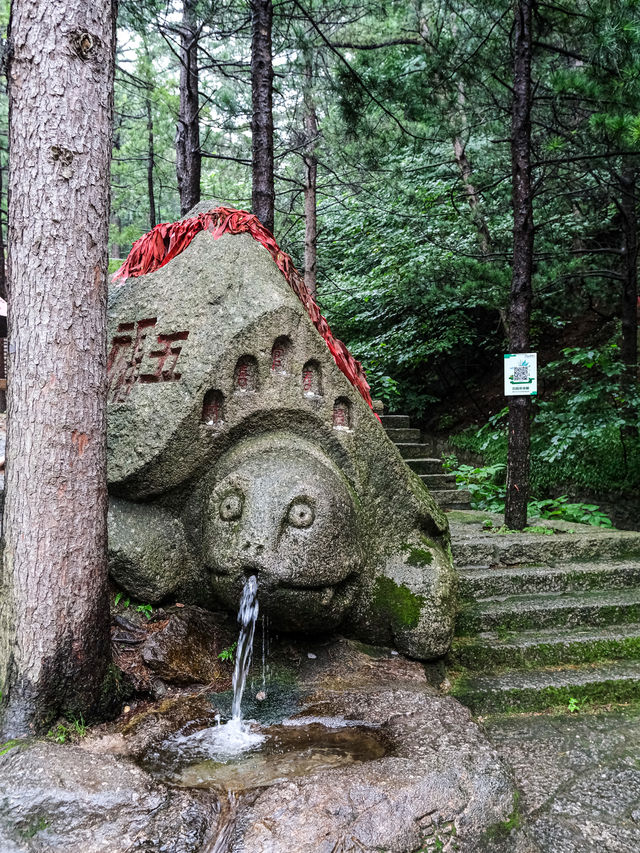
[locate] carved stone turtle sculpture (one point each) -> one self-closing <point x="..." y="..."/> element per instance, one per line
<point x="237" y="446"/>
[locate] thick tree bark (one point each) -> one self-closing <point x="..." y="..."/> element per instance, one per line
<point x="3" y="295"/>
<point x="188" y="157"/>
<point x="310" y="186"/>
<point x="150" y="166"/>
<point x="629" y="201"/>
<point x="54" y="626"/>
<point x="3" y="269"/>
<point x="523" y="235"/>
<point x="263" y="192"/>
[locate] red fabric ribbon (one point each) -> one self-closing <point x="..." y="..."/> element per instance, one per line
<point x="165" y="241"/>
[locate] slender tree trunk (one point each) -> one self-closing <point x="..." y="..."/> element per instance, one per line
<point x="188" y="157"/>
<point x="523" y="235"/>
<point x="263" y="192"/>
<point x="150" y="166"/>
<point x="472" y="194"/>
<point x="310" y="185"/>
<point x="54" y="624"/>
<point x="3" y="269"/>
<point x="629" y="307"/>
<point x="3" y="295"/>
<point x="629" y="202"/>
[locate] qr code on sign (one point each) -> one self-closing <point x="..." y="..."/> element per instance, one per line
<point x="521" y="373"/>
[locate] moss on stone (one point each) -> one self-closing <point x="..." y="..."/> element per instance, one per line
<point x="481" y="657"/>
<point x="5" y="747"/>
<point x="505" y="827"/>
<point x="540" y="699"/>
<point x="417" y="556"/>
<point x="396" y="601"/>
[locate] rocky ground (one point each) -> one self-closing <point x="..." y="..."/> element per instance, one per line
<point x="579" y="780"/>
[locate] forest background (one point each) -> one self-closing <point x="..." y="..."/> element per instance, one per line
<point x="391" y="139"/>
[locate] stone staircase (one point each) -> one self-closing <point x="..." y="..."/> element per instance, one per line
<point x="545" y="619"/>
<point x="420" y="458"/>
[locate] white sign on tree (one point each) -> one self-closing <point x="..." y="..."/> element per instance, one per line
<point x="521" y="374"/>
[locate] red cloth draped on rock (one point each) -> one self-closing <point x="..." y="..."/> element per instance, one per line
<point x="165" y="241"/>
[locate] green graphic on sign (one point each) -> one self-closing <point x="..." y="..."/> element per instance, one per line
<point x="521" y="374"/>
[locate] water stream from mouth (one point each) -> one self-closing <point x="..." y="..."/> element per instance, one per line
<point x="239" y="754"/>
<point x="247" y="616"/>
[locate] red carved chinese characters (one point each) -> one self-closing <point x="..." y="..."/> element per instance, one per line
<point x="242" y="379"/>
<point x="308" y="376"/>
<point x="213" y="408"/>
<point x="277" y="358"/>
<point x="130" y="347"/>
<point x="341" y="415"/>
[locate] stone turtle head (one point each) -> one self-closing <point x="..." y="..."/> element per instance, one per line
<point x="278" y="508"/>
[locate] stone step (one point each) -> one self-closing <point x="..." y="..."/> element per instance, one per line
<point x="451" y="497"/>
<point x="395" y="421"/>
<point x="548" y="647"/>
<point x="477" y="582"/>
<point x="439" y="481"/>
<point x="492" y="549"/>
<point x="535" y="690"/>
<point x="415" y="450"/>
<point x="568" y="610"/>
<point x="425" y="466"/>
<point x="403" y="435"/>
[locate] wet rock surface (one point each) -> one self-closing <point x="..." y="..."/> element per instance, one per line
<point x="580" y="780"/>
<point x="176" y="646"/>
<point x="434" y="783"/>
<point x="62" y="798"/>
<point x="441" y="788"/>
<point x="398" y="768"/>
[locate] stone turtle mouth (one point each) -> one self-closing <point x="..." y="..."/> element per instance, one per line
<point x="325" y="593"/>
<point x="274" y="583"/>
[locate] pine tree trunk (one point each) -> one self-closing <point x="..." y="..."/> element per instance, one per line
<point x="472" y="194"/>
<point x="54" y="626"/>
<point x="629" y="349"/>
<point x="310" y="183"/>
<point x="150" y="166"/>
<point x="263" y="193"/>
<point x="3" y="269"/>
<point x="188" y="157"/>
<point x="523" y="236"/>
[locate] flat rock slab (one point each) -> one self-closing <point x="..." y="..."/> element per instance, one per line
<point x="440" y="788"/>
<point x="62" y="798"/>
<point x="580" y="780"/>
<point x="473" y="546"/>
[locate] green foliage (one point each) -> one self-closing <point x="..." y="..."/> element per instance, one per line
<point x="7" y="745"/>
<point x="583" y="435"/>
<point x="228" y="653"/>
<point x="119" y="597"/>
<point x="487" y="490"/>
<point x="146" y="609"/>
<point x="576" y="705"/>
<point x="68" y="730"/>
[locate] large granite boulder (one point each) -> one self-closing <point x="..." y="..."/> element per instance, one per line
<point x="63" y="799"/>
<point x="237" y="446"/>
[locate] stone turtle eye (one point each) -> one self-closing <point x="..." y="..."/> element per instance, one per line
<point x="301" y="513"/>
<point x="231" y="506"/>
